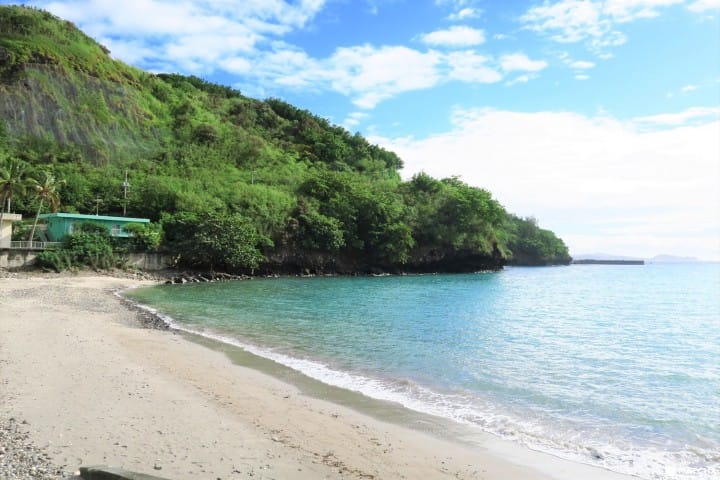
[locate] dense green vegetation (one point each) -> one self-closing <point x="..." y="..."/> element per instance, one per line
<point x="91" y="246"/>
<point x="232" y="182"/>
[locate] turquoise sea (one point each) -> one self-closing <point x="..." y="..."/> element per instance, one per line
<point x="614" y="366"/>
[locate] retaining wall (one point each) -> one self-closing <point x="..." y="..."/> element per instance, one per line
<point x="11" y="259"/>
<point x="18" y="258"/>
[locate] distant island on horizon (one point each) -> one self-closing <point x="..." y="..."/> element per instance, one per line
<point x="618" y="259"/>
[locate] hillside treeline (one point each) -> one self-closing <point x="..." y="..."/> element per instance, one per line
<point x="234" y="182"/>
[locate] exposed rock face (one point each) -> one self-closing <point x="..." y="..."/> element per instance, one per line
<point x="427" y="261"/>
<point x="461" y="261"/>
<point x="48" y="103"/>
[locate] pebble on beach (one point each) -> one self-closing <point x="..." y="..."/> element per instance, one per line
<point x="20" y="459"/>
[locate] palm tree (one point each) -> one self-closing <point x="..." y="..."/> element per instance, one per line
<point x="12" y="182"/>
<point x="45" y="190"/>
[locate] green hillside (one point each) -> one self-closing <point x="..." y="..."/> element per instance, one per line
<point x="268" y="178"/>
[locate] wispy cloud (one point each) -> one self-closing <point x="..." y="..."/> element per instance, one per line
<point x="354" y="119"/>
<point x="595" y="22"/>
<point x="700" y="6"/>
<point x="581" y="65"/>
<point x="519" y="79"/>
<point x="629" y="10"/>
<point x="695" y="115"/>
<point x="567" y="21"/>
<point x="455" y="36"/>
<point x="519" y="61"/>
<point x="465" y="14"/>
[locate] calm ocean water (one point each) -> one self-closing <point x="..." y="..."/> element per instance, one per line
<point x="615" y="366"/>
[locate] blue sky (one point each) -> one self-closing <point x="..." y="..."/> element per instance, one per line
<point x="601" y="118"/>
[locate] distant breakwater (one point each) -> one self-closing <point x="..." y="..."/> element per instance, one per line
<point x="608" y="262"/>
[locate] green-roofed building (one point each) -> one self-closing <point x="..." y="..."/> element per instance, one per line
<point x="60" y="225"/>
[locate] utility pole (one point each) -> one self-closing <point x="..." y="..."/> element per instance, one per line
<point x="98" y="201"/>
<point x="125" y="186"/>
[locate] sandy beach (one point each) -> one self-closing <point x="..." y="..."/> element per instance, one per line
<point x="94" y="387"/>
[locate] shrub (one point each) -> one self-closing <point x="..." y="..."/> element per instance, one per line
<point x="56" y="260"/>
<point x="90" y="246"/>
<point x="146" y="237"/>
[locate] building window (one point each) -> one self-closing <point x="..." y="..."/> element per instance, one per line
<point x="115" y="230"/>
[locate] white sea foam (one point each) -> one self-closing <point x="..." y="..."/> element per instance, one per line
<point x="562" y="439"/>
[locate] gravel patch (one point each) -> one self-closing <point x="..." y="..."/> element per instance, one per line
<point x="20" y="459"/>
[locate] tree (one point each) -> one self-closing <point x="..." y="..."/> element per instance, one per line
<point x="205" y="134"/>
<point x="212" y="240"/>
<point x="531" y="245"/>
<point x="47" y="191"/>
<point x="12" y="182"/>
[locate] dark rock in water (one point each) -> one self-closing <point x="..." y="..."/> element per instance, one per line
<point x="595" y="454"/>
<point x="203" y="277"/>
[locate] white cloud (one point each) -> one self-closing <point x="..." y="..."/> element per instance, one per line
<point x="372" y="75"/>
<point x="354" y="119"/>
<point x="587" y="177"/>
<point x="369" y="75"/>
<point x="593" y="21"/>
<point x="455" y="36"/>
<point x="629" y="10"/>
<point x="700" y="6"/>
<point x="467" y="66"/>
<point x="287" y="66"/>
<point x="237" y="65"/>
<point x="571" y="20"/>
<point x="465" y="14"/>
<point x="688" y="88"/>
<point x="610" y="39"/>
<point x="581" y="65"/>
<point x="520" y="61"/>
<point x="249" y="39"/>
<point x="456" y="4"/>
<point x="133" y="52"/>
<point x="195" y="36"/>
<point x="519" y="79"/>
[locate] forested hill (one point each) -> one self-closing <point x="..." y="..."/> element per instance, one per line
<point x="234" y="182"/>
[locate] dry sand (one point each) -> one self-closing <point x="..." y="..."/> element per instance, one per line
<point x="95" y="388"/>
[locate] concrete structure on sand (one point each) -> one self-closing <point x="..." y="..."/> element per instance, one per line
<point x="6" y="228"/>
